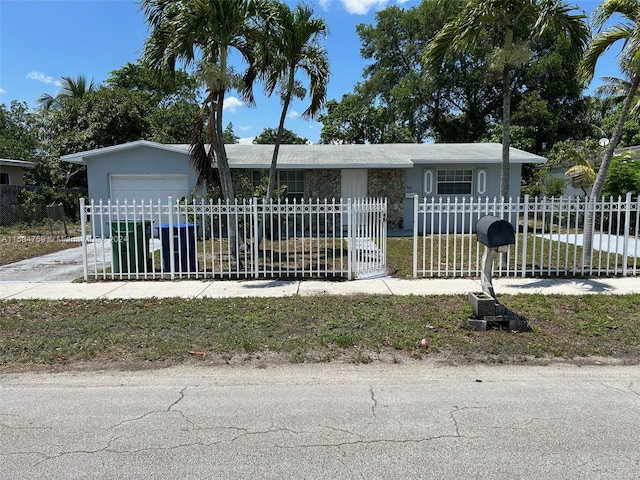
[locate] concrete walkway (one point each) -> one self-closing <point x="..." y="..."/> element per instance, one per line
<point x="52" y="276"/>
<point x="277" y="288"/>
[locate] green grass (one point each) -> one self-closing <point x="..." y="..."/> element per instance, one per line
<point x="20" y="242"/>
<point x="361" y="329"/>
<point x="544" y="256"/>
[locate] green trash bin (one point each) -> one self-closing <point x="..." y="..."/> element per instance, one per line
<point x="130" y="246"/>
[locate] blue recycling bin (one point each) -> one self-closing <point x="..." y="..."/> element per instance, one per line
<point x="183" y="237"/>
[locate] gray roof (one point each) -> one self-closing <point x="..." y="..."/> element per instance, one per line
<point x="16" y="163"/>
<point x="397" y="155"/>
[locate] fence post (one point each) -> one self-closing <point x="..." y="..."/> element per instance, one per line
<point x="83" y="225"/>
<point x="415" y="236"/>
<point x="172" y="261"/>
<point x="350" y="239"/>
<point x="525" y="233"/>
<point x="627" y="226"/>
<point x="255" y="235"/>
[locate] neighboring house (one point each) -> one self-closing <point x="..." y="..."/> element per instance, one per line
<point x="151" y="171"/>
<point x="12" y="179"/>
<point x="12" y="171"/>
<point x="571" y="189"/>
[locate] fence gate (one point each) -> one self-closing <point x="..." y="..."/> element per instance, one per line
<point x="367" y="236"/>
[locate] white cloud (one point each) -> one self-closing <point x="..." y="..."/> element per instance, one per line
<point x="359" y="7"/>
<point x="231" y="103"/>
<point x="362" y="7"/>
<point x="246" y="140"/>
<point x="244" y="128"/>
<point x="293" y="114"/>
<point x="2" y="90"/>
<point x="41" y="77"/>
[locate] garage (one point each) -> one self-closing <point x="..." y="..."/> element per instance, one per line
<point x="148" y="187"/>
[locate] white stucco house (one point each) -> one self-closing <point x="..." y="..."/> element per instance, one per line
<point x="151" y="171"/>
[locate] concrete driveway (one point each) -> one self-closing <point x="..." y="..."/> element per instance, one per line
<point x="62" y="266"/>
<point x="415" y="420"/>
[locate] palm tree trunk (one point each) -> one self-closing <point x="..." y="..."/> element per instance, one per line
<point x="596" y="191"/>
<point x="226" y="182"/>
<point x="273" y="169"/>
<point x="276" y="148"/>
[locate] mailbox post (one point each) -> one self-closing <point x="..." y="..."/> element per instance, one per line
<point x="496" y="235"/>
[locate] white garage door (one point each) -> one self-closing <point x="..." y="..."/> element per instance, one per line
<point x="148" y="187"/>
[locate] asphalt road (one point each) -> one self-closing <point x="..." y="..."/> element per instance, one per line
<point x="330" y="421"/>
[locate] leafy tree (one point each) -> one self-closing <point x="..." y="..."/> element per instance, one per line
<point x="172" y="100"/>
<point x="18" y="135"/>
<point x="544" y="184"/>
<point x="172" y="123"/>
<point x="229" y="135"/>
<point x="165" y="90"/>
<point x="623" y="176"/>
<point x="268" y="137"/>
<point x="627" y="32"/>
<point x="105" y="117"/>
<point x="397" y="91"/>
<point x="294" y="48"/>
<point x="520" y="22"/>
<point x="71" y="88"/>
<point x="630" y="134"/>
<point x="352" y="120"/>
<point x="102" y="118"/>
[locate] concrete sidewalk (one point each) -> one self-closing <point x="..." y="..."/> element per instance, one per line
<point x="277" y="288"/>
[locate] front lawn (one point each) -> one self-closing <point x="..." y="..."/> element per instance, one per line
<point x="361" y="329"/>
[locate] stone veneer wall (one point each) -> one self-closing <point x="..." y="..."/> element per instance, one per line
<point x="322" y="184"/>
<point x="326" y="183"/>
<point x="390" y="183"/>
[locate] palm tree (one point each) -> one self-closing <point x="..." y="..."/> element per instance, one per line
<point x="203" y="34"/>
<point x="521" y="21"/>
<point x="295" y="47"/>
<point x="627" y="32"/>
<point x="71" y="88"/>
<point x="583" y="171"/>
<point x="614" y="91"/>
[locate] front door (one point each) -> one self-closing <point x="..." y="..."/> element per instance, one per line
<point x="354" y="183"/>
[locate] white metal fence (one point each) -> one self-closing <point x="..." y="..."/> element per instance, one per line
<point x="549" y="237"/>
<point x="248" y="239"/>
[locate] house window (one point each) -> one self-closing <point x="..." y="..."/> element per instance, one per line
<point x="294" y="181"/>
<point x="455" y="182"/>
<point x="257" y="177"/>
<point x="4" y="179"/>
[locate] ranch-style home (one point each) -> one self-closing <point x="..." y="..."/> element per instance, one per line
<point x="144" y="170"/>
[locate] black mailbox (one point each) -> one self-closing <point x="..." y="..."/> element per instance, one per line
<point x="494" y="233"/>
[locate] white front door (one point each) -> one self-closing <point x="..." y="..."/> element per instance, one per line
<point x="354" y="183"/>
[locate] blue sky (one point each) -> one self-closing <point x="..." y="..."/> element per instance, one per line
<point x="43" y="40"/>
